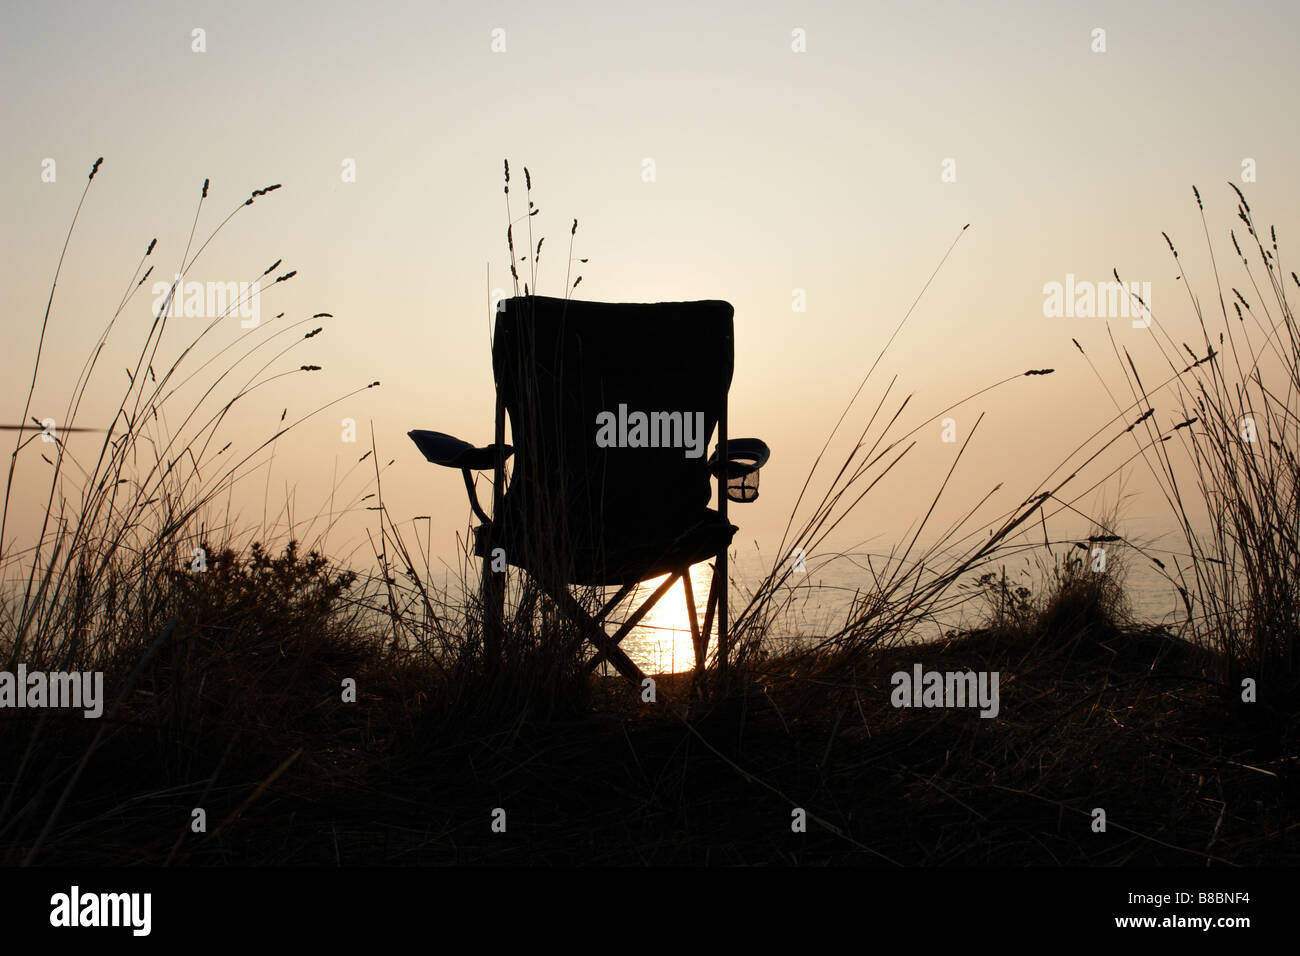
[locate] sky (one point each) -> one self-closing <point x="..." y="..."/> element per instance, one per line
<point x="823" y="153"/>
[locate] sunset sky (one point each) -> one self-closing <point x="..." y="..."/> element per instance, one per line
<point x="774" y="170"/>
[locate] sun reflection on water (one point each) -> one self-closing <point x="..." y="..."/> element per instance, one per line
<point x="661" y="642"/>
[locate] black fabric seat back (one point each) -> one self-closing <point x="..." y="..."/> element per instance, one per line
<point x="563" y="369"/>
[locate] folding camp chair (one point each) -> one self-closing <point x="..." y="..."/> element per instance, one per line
<point x="597" y="496"/>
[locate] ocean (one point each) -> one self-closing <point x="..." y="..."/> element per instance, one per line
<point x="822" y="595"/>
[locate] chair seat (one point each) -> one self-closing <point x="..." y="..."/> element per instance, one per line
<point x="631" y="558"/>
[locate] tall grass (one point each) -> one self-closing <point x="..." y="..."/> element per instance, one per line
<point x="1231" y="478"/>
<point x="916" y="588"/>
<point x="131" y="551"/>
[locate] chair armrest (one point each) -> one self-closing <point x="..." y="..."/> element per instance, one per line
<point x="453" y="453"/>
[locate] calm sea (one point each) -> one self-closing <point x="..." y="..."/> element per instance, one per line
<point x="662" y="641"/>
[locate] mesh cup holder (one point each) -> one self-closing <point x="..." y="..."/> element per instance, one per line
<point x="745" y="457"/>
<point x="742" y="487"/>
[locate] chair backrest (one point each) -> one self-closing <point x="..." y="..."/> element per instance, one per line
<point x="573" y="377"/>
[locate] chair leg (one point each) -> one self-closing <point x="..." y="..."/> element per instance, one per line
<point x="594" y="633"/>
<point x="700" y="641"/>
<point x="494" y="582"/>
<point x="617" y="637"/>
<point x="493" y="593"/>
<point x="614" y="602"/>
<point x="709" y="612"/>
<point x="724" y="639"/>
<point x="696" y="642"/>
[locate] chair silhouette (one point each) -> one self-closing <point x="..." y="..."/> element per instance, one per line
<point x="611" y="406"/>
